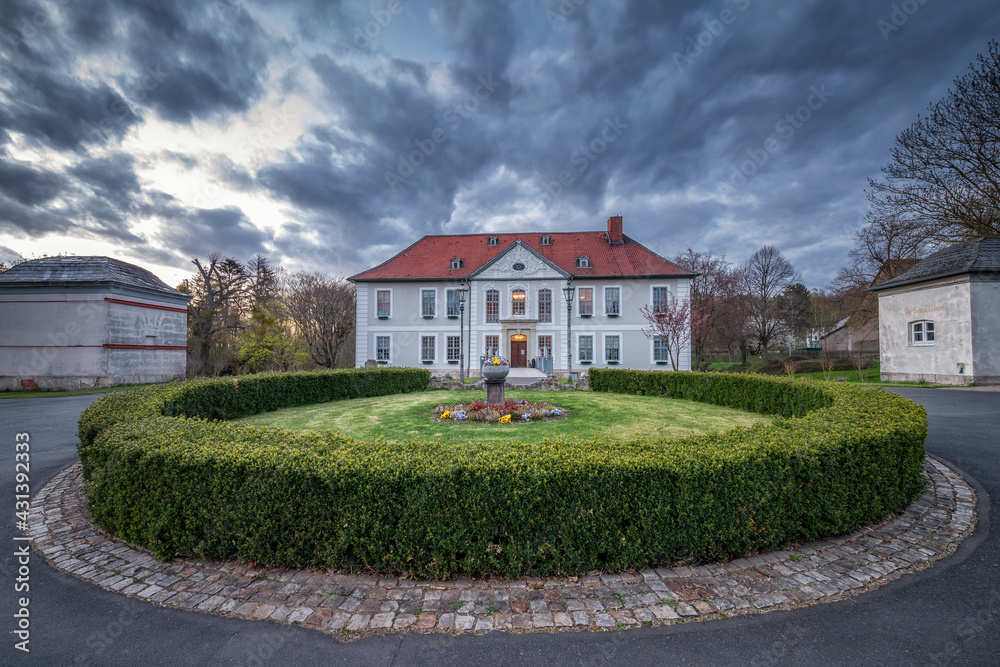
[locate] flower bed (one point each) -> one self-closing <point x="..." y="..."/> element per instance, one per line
<point x="513" y="412"/>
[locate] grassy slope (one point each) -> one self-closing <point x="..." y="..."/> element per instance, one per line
<point x="594" y="415"/>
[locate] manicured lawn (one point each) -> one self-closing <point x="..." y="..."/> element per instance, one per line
<point x="78" y="392"/>
<point x="407" y="416"/>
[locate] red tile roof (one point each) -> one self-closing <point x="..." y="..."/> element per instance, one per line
<point x="430" y="257"/>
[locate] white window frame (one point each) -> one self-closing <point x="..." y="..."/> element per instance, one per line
<point x="604" y="347"/>
<point x="447" y="348"/>
<point x="652" y="352"/>
<point x="524" y="309"/>
<point x="486" y="305"/>
<point x="579" y="347"/>
<point x="545" y="239"/>
<point x="605" y="292"/>
<point x="432" y="290"/>
<point x="486" y="345"/>
<point x="383" y="361"/>
<point x="652" y="295"/>
<point x="579" y="295"/>
<point x="583" y="262"/>
<point x="391" y="301"/>
<point x="550" y="346"/>
<point x="923" y="333"/>
<point x="432" y="360"/>
<point x="493" y="240"/>
<point x="447" y="304"/>
<point x="538" y="305"/>
<point x="456" y="263"/>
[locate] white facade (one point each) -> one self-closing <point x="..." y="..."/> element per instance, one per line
<point x="517" y="294"/>
<point x="944" y="331"/>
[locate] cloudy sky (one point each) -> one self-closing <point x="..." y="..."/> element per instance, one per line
<point x="330" y="135"/>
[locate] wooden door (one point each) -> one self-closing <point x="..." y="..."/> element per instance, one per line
<point x="518" y="354"/>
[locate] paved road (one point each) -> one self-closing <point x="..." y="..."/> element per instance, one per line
<point x="949" y="614"/>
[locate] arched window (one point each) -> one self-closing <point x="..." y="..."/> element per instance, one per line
<point x="545" y="240"/>
<point x="492" y="306"/>
<point x="545" y="305"/>
<point x="517" y="302"/>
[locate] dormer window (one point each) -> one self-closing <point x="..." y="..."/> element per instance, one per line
<point x="492" y="240"/>
<point x="583" y="262"/>
<point x="457" y="263"/>
<point x="545" y="240"/>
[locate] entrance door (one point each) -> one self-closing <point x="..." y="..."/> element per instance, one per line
<point x="518" y="351"/>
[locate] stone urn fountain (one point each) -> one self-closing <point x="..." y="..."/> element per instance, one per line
<point x="495" y="375"/>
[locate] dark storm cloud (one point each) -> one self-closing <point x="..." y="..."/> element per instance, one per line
<point x="28" y="186"/>
<point x="195" y="233"/>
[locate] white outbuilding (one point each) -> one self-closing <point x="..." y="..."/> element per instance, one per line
<point x="940" y="320"/>
<point x="79" y="322"/>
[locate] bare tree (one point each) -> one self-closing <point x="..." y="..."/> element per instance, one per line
<point x="763" y="278"/>
<point x="708" y="296"/>
<point x="944" y="175"/>
<point x="213" y="312"/>
<point x="672" y="322"/>
<point x="324" y="312"/>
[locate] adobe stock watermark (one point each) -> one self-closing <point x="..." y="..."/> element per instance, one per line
<point x="713" y="29"/>
<point x="900" y="14"/>
<point x="120" y="109"/>
<point x="583" y="157"/>
<point x="364" y="36"/>
<point x="562" y="11"/>
<point x="784" y="129"/>
<point x="454" y="117"/>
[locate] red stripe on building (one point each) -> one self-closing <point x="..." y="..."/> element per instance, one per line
<point x="145" y="305"/>
<point x="145" y="347"/>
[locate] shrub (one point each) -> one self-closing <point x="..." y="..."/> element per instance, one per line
<point x="837" y="457"/>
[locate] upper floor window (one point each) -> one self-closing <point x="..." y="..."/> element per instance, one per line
<point x="492" y="306"/>
<point x="457" y="263"/>
<point x="427" y="298"/>
<point x="383" y="298"/>
<point x="517" y="302"/>
<point x="586" y="308"/>
<point x="545" y="240"/>
<point x="583" y="262"/>
<point x="661" y="296"/>
<point x="492" y="240"/>
<point x="922" y="333"/>
<point x="453" y="310"/>
<point x="545" y="305"/>
<point x="612" y="301"/>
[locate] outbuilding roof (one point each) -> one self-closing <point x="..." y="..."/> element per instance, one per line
<point x="981" y="255"/>
<point x="430" y="258"/>
<point x="67" y="271"/>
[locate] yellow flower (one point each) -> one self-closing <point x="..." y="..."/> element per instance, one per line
<point x="446" y="414"/>
<point x="505" y="419"/>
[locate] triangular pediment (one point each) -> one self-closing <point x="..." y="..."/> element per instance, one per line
<point x="519" y="261"/>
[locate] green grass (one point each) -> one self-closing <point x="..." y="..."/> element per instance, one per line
<point x="612" y="416"/>
<point x="78" y="392"/>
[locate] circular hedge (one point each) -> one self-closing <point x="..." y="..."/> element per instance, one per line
<point x="162" y="471"/>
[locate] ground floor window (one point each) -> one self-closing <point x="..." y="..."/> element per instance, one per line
<point x="454" y="349"/>
<point x="545" y="346"/>
<point x="427" y="349"/>
<point x="660" y="351"/>
<point x="612" y="349"/>
<point x="383" y="345"/>
<point x="586" y="344"/>
<point x="922" y="333"/>
<point x="492" y="345"/>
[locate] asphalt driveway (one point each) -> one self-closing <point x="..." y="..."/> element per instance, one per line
<point x="948" y="614"/>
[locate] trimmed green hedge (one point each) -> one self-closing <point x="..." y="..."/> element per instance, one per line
<point x="842" y="457"/>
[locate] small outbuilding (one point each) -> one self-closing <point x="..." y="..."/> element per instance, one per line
<point x="80" y="322"/>
<point x="940" y="320"/>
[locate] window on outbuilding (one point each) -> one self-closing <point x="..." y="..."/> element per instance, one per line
<point x="922" y="333"/>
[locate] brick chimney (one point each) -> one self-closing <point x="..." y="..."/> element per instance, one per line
<point x="615" y="230"/>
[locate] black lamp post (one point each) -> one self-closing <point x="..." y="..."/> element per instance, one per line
<point x="568" y="292"/>
<point x="461" y="335"/>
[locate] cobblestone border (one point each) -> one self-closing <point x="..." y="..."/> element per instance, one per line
<point x="350" y="605"/>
